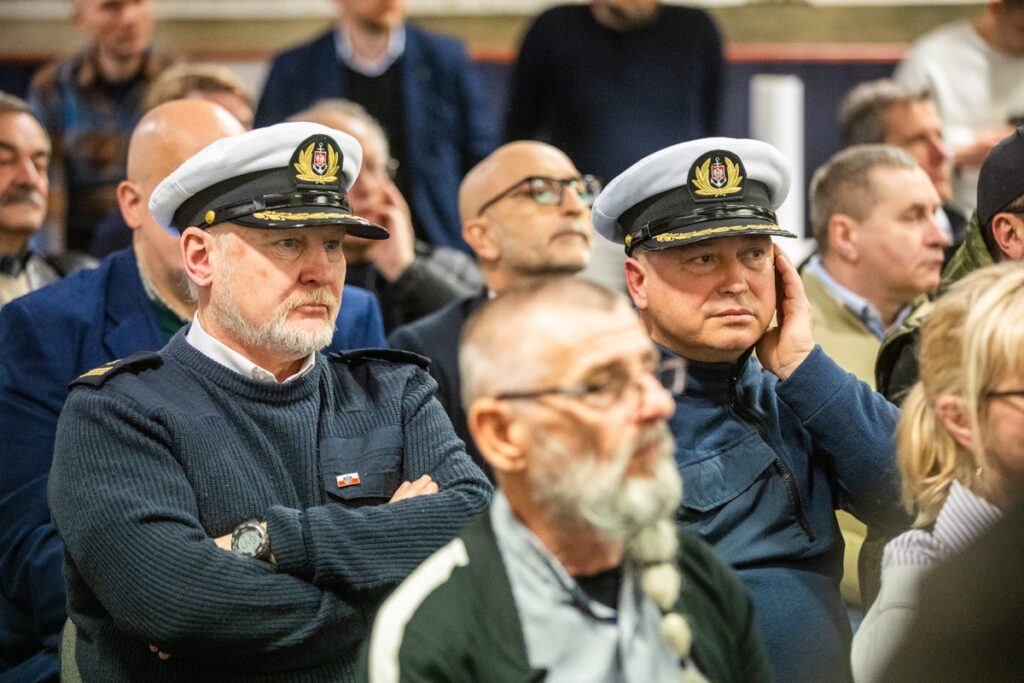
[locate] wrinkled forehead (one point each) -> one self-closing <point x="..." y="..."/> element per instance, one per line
<point x="569" y="343"/>
<point x="20" y="130"/>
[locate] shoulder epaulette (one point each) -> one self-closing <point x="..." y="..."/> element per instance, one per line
<point x="137" y="362"/>
<point x="387" y="355"/>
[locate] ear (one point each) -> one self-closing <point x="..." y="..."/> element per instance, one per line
<point x="197" y="249"/>
<point x="950" y="412"/>
<point x="499" y="435"/>
<point x="844" y="237"/>
<point x="1008" y="233"/>
<point x="129" y="200"/>
<point x="479" y="235"/>
<point x="636" y="280"/>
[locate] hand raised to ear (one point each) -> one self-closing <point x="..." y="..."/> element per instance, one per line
<point x="784" y="347"/>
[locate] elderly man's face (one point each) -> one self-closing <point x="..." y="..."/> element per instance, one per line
<point x="278" y="290"/>
<point x="604" y="457"/>
<point x="708" y="301"/>
<point x="24" y="158"/>
<point x="917" y="128"/>
<point x="899" y="244"/>
<point x="538" y="238"/>
<point x="121" y="28"/>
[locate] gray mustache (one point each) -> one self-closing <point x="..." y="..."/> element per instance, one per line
<point x="21" y="196"/>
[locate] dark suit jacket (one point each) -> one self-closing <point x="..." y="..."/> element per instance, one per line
<point x="436" y="336"/>
<point x="447" y="125"/>
<point x="47" y="339"/>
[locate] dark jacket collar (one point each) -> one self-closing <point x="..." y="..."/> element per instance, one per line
<point x="494" y="591"/>
<point x="131" y="319"/>
<point x="714" y="381"/>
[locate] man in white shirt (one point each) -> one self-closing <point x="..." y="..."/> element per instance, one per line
<point x="975" y="71"/>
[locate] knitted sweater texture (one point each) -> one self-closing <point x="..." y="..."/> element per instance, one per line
<point x="156" y="462"/>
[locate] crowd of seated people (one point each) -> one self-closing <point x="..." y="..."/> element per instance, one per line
<point x="343" y="397"/>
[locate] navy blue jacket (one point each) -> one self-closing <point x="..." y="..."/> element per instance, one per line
<point x="447" y="125"/>
<point x="765" y="464"/>
<point x="435" y="336"/>
<point x="47" y="339"/>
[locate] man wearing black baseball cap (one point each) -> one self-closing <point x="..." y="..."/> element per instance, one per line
<point x="237" y="505"/>
<point x="994" y="234"/>
<point x="768" y="448"/>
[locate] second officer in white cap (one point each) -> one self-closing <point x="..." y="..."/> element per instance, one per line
<point x="236" y="506"/>
<point x="769" y="447"/>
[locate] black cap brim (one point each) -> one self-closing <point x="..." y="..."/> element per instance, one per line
<point x="711" y="230"/>
<point x="313" y="216"/>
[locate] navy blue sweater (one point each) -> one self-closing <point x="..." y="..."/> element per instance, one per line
<point x="154" y="464"/>
<point x="609" y="98"/>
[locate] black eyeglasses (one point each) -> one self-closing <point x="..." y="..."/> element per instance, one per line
<point x="550" y="191"/>
<point x="619" y="389"/>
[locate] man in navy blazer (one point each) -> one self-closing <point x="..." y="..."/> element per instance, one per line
<point x="526" y="213"/>
<point x="421" y="86"/>
<point x="130" y="303"/>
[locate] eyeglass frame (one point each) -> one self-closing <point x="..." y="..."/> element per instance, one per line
<point x="675" y="365"/>
<point x="562" y="182"/>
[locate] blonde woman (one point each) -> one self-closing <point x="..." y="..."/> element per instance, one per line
<point x="960" y="441"/>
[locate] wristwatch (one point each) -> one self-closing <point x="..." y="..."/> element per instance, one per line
<point x="250" y="539"/>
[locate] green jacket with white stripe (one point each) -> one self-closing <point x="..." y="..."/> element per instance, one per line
<point x="460" y="624"/>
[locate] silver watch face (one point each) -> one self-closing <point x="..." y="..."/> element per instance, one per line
<point x="248" y="541"/>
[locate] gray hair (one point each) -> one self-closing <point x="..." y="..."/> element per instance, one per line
<point x="336" y="106"/>
<point x="178" y="81"/>
<point x="862" y="113"/>
<point x="490" y="363"/>
<point x="10" y="104"/>
<point x="842" y="185"/>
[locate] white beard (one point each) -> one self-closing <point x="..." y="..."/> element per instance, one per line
<point x="578" y="488"/>
<point x="278" y="334"/>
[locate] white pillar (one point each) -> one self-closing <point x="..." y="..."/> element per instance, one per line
<point x="777" y="117"/>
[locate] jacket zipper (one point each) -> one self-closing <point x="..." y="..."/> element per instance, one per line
<point x="780" y="466"/>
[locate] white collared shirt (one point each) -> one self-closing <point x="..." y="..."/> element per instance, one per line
<point x="216" y="350"/>
<point x="371" y="68"/>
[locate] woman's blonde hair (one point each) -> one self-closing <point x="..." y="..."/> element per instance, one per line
<point x="971" y="340"/>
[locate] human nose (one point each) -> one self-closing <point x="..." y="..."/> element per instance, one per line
<point x="655" y="400"/>
<point x="571" y="200"/>
<point x="322" y="265"/>
<point x="28" y="174"/>
<point x="934" y="234"/>
<point x="937" y="150"/>
<point x="734" y="277"/>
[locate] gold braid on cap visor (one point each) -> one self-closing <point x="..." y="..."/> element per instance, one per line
<point x="658" y="228"/>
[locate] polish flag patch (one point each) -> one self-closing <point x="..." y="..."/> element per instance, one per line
<point x="350" y="479"/>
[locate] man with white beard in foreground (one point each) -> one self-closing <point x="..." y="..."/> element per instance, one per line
<point x="235" y="506"/>
<point x="577" y="572"/>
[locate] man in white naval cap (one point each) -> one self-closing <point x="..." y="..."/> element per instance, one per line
<point x="235" y="506"/>
<point x="768" y="448"/>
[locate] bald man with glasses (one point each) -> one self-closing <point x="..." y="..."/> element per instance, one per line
<point x="526" y="213"/>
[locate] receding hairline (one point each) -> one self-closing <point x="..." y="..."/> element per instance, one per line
<point x="492" y="173"/>
<point x="845" y="184"/>
<point x="546" y="313"/>
<point x="175" y="125"/>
